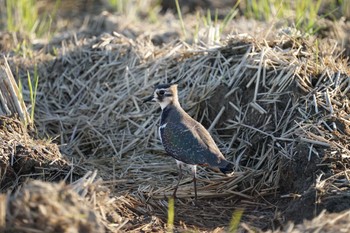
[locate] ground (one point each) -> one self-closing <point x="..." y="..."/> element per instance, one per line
<point x="275" y="100"/>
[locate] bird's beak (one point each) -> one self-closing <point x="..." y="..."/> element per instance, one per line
<point x="148" y="99"/>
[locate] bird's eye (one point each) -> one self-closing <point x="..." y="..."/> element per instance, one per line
<point x="161" y="92"/>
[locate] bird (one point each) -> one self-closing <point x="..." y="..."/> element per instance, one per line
<point x="184" y="138"/>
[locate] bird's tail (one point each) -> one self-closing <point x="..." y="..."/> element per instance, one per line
<point x="226" y="167"/>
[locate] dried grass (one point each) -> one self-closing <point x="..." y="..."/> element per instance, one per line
<point x="23" y="157"/>
<point x="50" y="207"/>
<point x="9" y="93"/>
<point x="279" y="94"/>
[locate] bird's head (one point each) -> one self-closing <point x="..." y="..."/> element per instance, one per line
<point x="164" y="94"/>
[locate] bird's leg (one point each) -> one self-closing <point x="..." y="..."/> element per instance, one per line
<point x="194" y="171"/>
<point x="180" y="177"/>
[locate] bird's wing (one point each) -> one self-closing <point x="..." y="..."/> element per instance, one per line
<point x="206" y="139"/>
<point x="187" y="143"/>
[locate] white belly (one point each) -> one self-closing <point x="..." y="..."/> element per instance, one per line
<point x="159" y="131"/>
<point x="181" y="165"/>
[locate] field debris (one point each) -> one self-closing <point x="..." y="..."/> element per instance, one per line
<point x="22" y="156"/>
<point x="273" y="104"/>
<point x="50" y="207"/>
<point x="277" y="106"/>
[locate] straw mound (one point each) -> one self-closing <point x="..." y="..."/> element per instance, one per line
<point x="49" y="207"/>
<point x="22" y="156"/>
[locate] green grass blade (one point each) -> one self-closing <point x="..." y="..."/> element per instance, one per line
<point x="180" y="17"/>
<point x="10" y="16"/>
<point x="33" y="91"/>
<point x="235" y="220"/>
<point x="171" y="214"/>
<point x="31" y="95"/>
<point x="233" y="12"/>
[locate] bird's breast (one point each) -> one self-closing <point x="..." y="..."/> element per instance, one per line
<point x="160" y="131"/>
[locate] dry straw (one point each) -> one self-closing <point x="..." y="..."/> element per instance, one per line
<point x="262" y="100"/>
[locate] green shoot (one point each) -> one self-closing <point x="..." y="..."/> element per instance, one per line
<point x="153" y="14"/>
<point x="209" y="18"/>
<point x="10" y="18"/>
<point x="23" y="16"/>
<point x="180" y="18"/>
<point x="196" y="30"/>
<point x="44" y="26"/>
<point x="33" y="90"/>
<point x="118" y="5"/>
<point x="24" y="49"/>
<point x="171" y="214"/>
<point x="259" y="9"/>
<point x="304" y="12"/>
<point x="234" y="223"/>
<point x="215" y="26"/>
<point x="233" y="12"/>
<point x="307" y="15"/>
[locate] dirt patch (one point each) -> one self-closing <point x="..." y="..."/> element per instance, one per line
<point x="22" y="155"/>
<point x="324" y="222"/>
<point x="299" y="173"/>
<point x="297" y="184"/>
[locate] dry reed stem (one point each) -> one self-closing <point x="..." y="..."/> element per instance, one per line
<point x="10" y="103"/>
